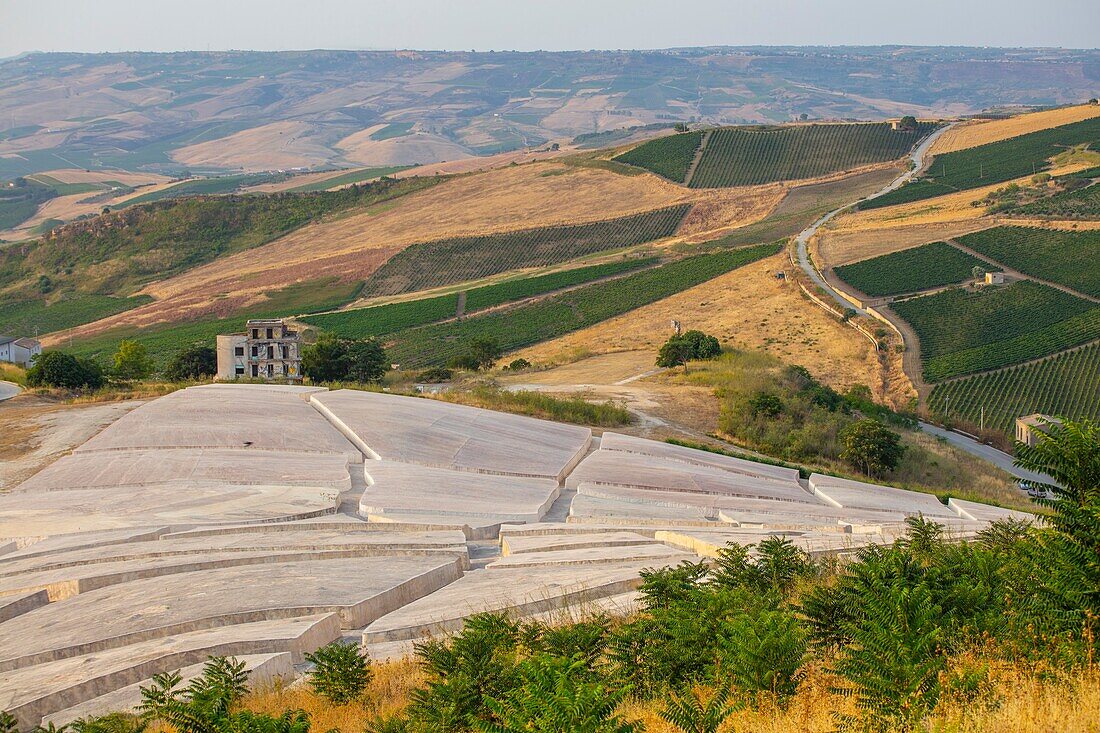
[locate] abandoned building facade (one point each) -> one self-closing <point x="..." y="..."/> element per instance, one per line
<point x="267" y="349"/>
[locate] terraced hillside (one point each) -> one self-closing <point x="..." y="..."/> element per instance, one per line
<point x="458" y="259"/>
<point x="911" y="270"/>
<point x="384" y="319"/>
<point x="1065" y="257"/>
<point x="962" y="332"/>
<point x="1066" y="385"/>
<point x="560" y="314"/>
<point x="747" y="156"/>
<point x="994" y="162"/>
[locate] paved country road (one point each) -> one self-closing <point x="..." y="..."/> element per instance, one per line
<point x="917" y="157"/>
<point x="998" y="458"/>
<point x="9" y="390"/>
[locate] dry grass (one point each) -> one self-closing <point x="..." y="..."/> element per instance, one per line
<point x="832" y="249"/>
<point x="1018" y="701"/>
<point x="404" y="150"/>
<point x="972" y="134"/>
<point x="285" y="144"/>
<point x="747" y="308"/>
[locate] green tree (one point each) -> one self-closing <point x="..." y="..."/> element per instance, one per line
<point x="686" y="347"/>
<point x="486" y="350"/>
<point x="871" y="447"/>
<point x="908" y="123"/>
<point x="326" y="360"/>
<point x="367" y="361"/>
<point x="194" y="362"/>
<point x="132" y="361"/>
<point x="702" y="346"/>
<point x="58" y="369"/>
<point x="341" y="672"/>
<point x="674" y="353"/>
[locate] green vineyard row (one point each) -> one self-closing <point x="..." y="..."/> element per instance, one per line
<point x="560" y="314"/>
<point x="1068" y="258"/>
<point x="1066" y="385"/>
<point x="910" y="270"/>
<point x="447" y="261"/>
<point x="392" y="317"/>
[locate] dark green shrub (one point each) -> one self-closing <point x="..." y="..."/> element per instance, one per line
<point x="195" y="362"/>
<point x="58" y="369"/>
<point x="518" y="364"/>
<point x="341" y="672"/>
<point x="690" y="713"/>
<point x="871" y="447"/>
<point x="435" y="375"/>
<point x="764" y="653"/>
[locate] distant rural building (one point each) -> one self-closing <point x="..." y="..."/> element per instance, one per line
<point x="1029" y="427"/>
<point x="994" y="278"/>
<point x="19" y="351"/>
<point x="266" y="350"/>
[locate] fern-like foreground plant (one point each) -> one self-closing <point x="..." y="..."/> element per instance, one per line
<point x="692" y="712"/>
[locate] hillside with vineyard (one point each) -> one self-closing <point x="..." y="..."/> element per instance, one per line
<point x="749" y="156"/>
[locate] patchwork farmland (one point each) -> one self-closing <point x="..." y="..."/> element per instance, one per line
<point x="1064" y="257"/>
<point x="1067" y="384"/>
<point x="910" y="270"/>
<point x="964" y="332"/>
<point x="993" y="163"/>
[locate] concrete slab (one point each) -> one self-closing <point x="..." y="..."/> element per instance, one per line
<point x="520" y="592"/>
<point x="974" y="511"/>
<point x="77" y="540"/>
<point x="439" y="434"/>
<point x="637" y="470"/>
<point x="109" y="469"/>
<point x="263" y="670"/>
<point x="707" y="543"/>
<point x="19" y="603"/>
<point x="586" y="508"/>
<point x="396" y="488"/>
<point x="359" y="589"/>
<point x="669" y="451"/>
<point x="84" y="510"/>
<point x="226" y="416"/>
<point x="518" y="544"/>
<point x="42" y="689"/>
<point x="655" y="552"/>
<point x="848" y="494"/>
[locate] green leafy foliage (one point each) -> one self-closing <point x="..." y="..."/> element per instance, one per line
<point x="341" y="672"/>
<point x="764" y="653"/>
<point x="871" y="447"/>
<point x="1066" y="384"/>
<point x="668" y="156"/>
<point x="552" y="695"/>
<point x="563" y="313"/>
<point x="992" y="163"/>
<point x="963" y="332"/>
<point x="194" y="362"/>
<point x="335" y="360"/>
<point x="745" y="156"/>
<point x="385" y="319"/>
<point x="132" y="361"/>
<point x="689" y="346"/>
<point x="1065" y="257"/>
<point x="692" y="713"/>
<point x="65" y="371"/>
<point x="446" y="261"/>
<point x="481" y="353"/>
<point x="910" y="270"/>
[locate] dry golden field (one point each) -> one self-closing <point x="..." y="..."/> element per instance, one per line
<point x="1020" y="700"/>
<point x="410" y="149"/>
<point x="832" y="249"/>
<point x="286" y="144"/>
<point x="972" y="134"/>
<point x="747" y="308"/>
<point x="353" y="246"/>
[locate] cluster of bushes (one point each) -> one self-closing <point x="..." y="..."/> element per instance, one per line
<point x="688" y="346"/>
<point x="784" y="412"/>
<point x="130" y="363"/>
<point x="344" y="360"/>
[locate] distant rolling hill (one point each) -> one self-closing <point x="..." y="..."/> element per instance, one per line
<point x="205" y="112"/>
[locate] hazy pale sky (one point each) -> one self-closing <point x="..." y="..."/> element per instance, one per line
<point x="270" y="25"/>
